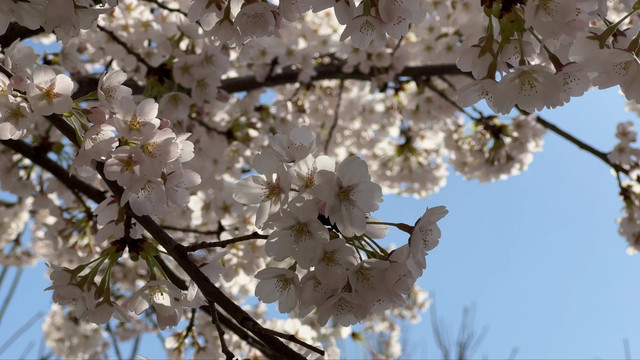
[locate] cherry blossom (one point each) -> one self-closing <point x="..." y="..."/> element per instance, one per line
<point x="50" y="93"/>
<point x="348" y="194"/>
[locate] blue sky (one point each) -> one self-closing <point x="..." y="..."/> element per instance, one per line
<point x="538" y="254"/>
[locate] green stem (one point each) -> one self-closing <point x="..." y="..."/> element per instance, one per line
<point x="136" y="344"/>
<point x="90" y="96"/>
<point x="382" y="250"/>
<point x="11" y="292"/>
<point x="604" y="36"/>
<point x="116" y="348"/>
<point x="19" y="332"/>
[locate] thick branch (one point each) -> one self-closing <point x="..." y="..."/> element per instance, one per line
<point x="333" y="71"/>
<point x="290" y="76"/>
<point x="15" y="32"/>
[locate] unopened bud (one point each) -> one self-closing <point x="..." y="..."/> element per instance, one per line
<point x="19" y="82"/>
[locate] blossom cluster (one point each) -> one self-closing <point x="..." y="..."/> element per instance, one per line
<point x="495" y="150"/>
<point x="320" y="216"/>
<point x="553" y="56"/>
<point x="365" y="23"/>
<point x="139" y="151"/>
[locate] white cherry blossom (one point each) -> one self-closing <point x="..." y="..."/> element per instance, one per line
<point x="50" y="93"/>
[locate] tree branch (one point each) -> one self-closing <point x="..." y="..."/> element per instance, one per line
<point x="126" y="46"/>
<point x="165" y="7"/>
<point x="223" y="243"/>
<point x="209" y="290"/>
<point x="40" y="158"/>
<point x="15" y="32"/>
<point x="224" y="320"/>
<point x="581" y="144"/>
<point x="331" y="71"/>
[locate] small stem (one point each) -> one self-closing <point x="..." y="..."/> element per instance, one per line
<point x="11" y="292"/>
<point x="90" y="96"/>
<point x="555" y="61"/>
<point x="336" y="116"/>
<point x="116" y="348"/>
<point x="214" y="319"/>
<point x="380" y="248"/>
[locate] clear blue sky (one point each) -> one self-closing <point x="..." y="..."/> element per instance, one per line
<point x="538" y="254"/>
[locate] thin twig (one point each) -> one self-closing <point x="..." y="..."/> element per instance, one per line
<point x="336" y="116"/>
<point x="214" y="319"/>
<point x="41" y="159"/>
<point x="446" y="98"/>
<point x="12" y="290"/>
<point x="20" y="331"/>
<point x="126" y="46"/>
<point x="331" y="71"/>
<point x="627" y="349"/>
<point x="116" y="348"/>
<point x="294" y="339"/>
<point x="27" y="349"/>
<point x="163" y="6"/>
<point x="189" y="230"/>
<point x="223" y="243"/>
<point x="581" y="144"/>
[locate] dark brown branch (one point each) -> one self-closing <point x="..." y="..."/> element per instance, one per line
<point x="15" y="32"/>
<point x="333" y="71"/>
<point x="275" y="348"/>
<point x="223" y="243"/>
<point x="39" y="157"/>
